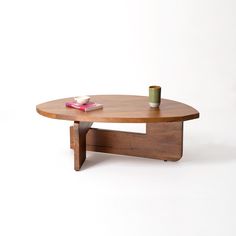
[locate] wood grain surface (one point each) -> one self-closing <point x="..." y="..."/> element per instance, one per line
<point x="79" y="131"/>
<point x="120" y="109"/>
<point x="162" y="141"/>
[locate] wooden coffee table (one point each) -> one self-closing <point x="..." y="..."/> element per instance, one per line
<point x="164" y="126"/>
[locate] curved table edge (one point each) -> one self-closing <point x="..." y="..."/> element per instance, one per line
<point x="121" y="120"/>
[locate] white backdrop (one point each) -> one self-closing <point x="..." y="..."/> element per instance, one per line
<point x="53" y="49"/>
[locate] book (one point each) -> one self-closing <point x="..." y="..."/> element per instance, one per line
<point x="90" y="106"/>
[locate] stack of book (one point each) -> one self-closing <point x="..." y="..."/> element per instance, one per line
<point x="83" y="104"/>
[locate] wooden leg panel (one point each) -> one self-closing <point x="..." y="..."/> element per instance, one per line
<point x="161" y="141"/>
<point x="78" y="135"/>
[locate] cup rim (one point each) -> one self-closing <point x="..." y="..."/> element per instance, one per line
<point x="155" y="86"/>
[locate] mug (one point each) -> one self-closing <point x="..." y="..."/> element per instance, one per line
<point x="154" y="96"/>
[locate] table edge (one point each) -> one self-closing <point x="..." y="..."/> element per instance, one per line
<point x="121" y="119"/>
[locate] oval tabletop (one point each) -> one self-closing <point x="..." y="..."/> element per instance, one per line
<point x="120" y="109"/>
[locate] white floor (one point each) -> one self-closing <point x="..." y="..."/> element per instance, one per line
<point x="41" y="194"/>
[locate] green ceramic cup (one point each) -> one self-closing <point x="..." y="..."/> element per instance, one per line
<point x="154" y="96"/>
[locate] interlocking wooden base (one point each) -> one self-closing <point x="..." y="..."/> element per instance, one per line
<point x="162" y="141"/>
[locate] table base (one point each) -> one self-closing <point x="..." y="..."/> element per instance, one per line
<point x="162" y="141"/>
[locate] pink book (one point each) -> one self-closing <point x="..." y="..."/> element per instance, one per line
<point x="85" y="107"/>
